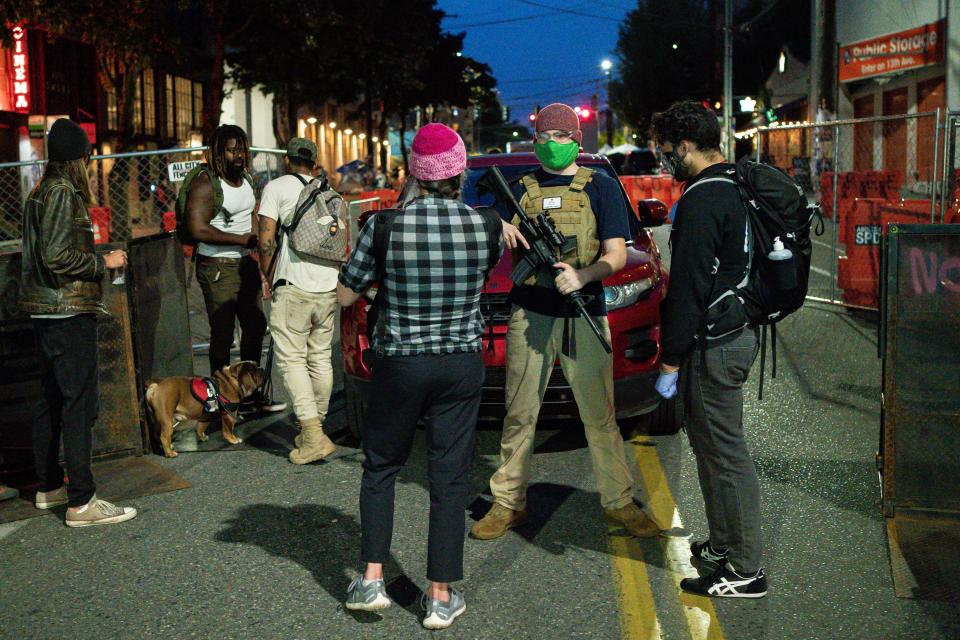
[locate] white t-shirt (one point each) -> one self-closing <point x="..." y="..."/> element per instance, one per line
<point x="278" y="201"/>
<point x="239" y="202"/>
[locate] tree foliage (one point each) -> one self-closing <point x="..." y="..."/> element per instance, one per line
<point x="654" y="74"/>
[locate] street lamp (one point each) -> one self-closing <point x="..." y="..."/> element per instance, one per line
<point x="607" y="65"/>
<point x="312" y="120"/>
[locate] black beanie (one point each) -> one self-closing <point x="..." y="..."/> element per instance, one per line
<point x="67" y="141"/>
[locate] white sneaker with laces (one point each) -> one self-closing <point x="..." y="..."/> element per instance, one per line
<point x="99" y="512"/>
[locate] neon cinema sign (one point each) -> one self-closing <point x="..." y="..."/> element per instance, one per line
<point x="21" y="85"/>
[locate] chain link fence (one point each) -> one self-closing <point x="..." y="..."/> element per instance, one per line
<point x="131" y="191"/>
<point x="865" y="173"/>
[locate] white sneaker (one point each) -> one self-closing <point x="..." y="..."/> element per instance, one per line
<point x="99" y="512"/>
<point x="51" y="499"/>
<point x="367" y="597"/>
<point x="441" y="615"/>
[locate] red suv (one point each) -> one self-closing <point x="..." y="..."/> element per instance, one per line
<point x="633" y="305"/>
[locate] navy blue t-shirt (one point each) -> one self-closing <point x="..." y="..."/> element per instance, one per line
<point x="609" y="207"/>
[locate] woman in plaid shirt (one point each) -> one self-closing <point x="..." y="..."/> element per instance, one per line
<point x="428" y="366"/>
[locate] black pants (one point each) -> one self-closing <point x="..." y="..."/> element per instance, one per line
<point x="68" y="404"/>
<point x="712" y="380"/>
<point x="231" y="292"/>
<point x="443" y="391"/>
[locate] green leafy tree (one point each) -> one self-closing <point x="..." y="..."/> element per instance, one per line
<point x="666" y="50"/>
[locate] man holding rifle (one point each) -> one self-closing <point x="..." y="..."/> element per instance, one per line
<point x="546" y="323"/>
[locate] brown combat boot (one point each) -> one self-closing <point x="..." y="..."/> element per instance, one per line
<point x="634" y="520"/>
<point x="497" y="522"/>
<point x="314" y="443"/>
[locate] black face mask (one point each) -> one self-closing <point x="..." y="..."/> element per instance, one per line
<point x="675" y="165"/>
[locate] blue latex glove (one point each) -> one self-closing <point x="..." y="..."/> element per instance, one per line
<point x="667" y="384"/>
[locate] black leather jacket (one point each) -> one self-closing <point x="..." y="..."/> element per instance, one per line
<point x="61" y="273"/>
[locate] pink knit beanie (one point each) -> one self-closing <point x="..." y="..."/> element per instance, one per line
<point x="437" y="153"/>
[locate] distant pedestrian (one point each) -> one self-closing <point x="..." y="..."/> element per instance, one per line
<point x="710" y="257"/>
<point x="226" y="271"/>
<point x="61" y="290"/>
<point x="303" y="311"/>
<point x="430" y="261"/>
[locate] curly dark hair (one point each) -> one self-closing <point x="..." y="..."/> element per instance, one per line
<point x="687" y="120"/>
<point x="218" y="146"/>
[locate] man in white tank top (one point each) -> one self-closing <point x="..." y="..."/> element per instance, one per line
<point x="228" y="275"/>
<point x="303" y="308"/>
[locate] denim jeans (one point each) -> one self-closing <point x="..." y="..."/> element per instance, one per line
<point x="68" y="404"/>
<point x="711" y="381"/>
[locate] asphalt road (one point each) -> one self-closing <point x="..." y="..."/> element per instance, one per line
<point x="260" y="548"/>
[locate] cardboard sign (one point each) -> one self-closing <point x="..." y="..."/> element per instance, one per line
<point x="177" y="171"/>
<point x="867" y="234"/>
<point x="911" y="49"/>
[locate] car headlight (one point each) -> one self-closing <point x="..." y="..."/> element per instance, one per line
<point x="619" y="296"/>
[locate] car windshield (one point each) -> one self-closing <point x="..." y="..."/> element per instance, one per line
<point x="511" y="171"/>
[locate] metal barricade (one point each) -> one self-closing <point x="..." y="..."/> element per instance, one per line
<point x="131" y="191"/>
<point x="865" y="173"/>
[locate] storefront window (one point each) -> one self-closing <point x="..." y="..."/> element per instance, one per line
<point x="149" y="104"/>
<point x="197" y="105"/>
<point x="171" y="120"/>
<point x="113" y="122"/>
<point x="184" y="107"/>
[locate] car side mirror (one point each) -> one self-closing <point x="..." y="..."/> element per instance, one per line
<point x="652" y="212"/>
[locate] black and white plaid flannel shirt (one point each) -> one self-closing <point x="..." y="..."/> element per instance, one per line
<point x="435" y="264"/>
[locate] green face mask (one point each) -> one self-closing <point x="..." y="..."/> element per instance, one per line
<point x="556" y="156"/>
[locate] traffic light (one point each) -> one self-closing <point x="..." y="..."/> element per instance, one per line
<point x="583" y="112"/>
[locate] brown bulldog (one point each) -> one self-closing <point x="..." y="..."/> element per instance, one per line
<point x="170" y="402"/>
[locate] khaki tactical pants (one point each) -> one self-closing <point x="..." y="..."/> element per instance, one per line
<point x="533" y="344"/>
<point x="302" y="326"/>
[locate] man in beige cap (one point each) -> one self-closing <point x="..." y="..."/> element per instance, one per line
<point x="304" y="303"/>
<point x="544" y="327"/>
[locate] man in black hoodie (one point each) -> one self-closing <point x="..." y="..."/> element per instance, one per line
<point x="710" y="257"/>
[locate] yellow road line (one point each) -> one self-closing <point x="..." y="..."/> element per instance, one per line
<point x="638" y="615"/>
<point x="700" y="615"/>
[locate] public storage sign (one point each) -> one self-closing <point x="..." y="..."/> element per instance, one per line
<point x="177" y="171"/>
<point x="910" y="49"/>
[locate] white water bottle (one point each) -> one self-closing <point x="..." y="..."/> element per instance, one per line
<point x="782" y="266"/>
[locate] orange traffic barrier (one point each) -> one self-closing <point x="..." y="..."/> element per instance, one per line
<point x="100" y="217"/>
<point x="858" y="273"/>
<point x="169" y="222"/>
<point x="388" y="197"/>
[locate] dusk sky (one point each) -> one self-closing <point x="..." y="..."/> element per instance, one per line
<point x="541" y="51"/>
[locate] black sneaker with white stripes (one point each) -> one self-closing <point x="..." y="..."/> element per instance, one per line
<point x="727" y="583"/>
<point x="706" y="555"/>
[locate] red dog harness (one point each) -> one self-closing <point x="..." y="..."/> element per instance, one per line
<point x="207" y="393"/>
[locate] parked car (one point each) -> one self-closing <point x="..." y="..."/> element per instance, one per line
<point x="633" y="299"/>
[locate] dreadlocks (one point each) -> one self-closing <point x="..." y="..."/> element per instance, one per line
<point x="218" y="146"/>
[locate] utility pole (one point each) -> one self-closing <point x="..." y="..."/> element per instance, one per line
<point x="606" y="65"/>
<point x="728" y="78"/>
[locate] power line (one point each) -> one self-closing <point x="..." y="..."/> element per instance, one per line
<point x="570" y="11"/>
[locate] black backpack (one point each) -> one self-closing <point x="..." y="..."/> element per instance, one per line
<point x="777" y="211"/>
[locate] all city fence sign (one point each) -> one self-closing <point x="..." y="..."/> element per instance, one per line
<point x="911" y="49"/>
<point x="177" y="171"/>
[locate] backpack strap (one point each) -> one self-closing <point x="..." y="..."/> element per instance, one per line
<point x="581" y="179"/>
<point x="300" y="178"/>
<point x="382" y="228"/>
<point x="493" y="226"/>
